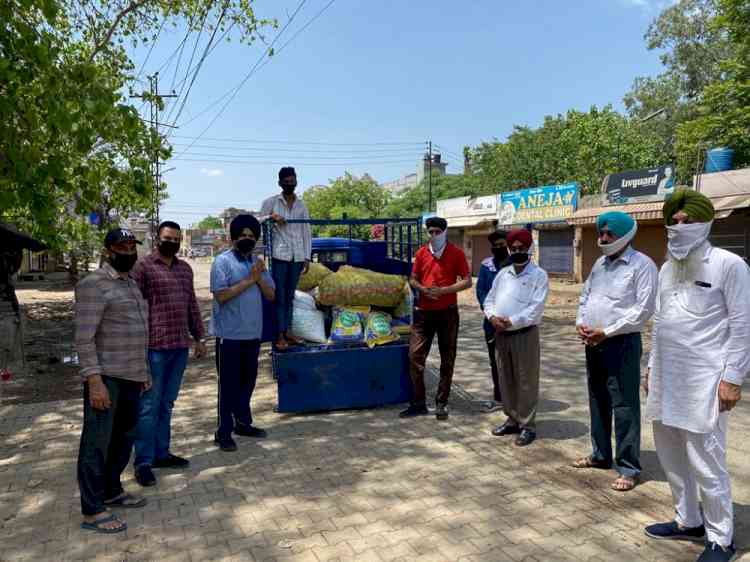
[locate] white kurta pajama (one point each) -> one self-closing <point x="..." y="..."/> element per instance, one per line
<point x="701" y="337"/>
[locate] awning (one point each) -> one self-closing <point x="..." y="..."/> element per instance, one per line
<point x="465" y="222"/>
<point x="653" y="210"/>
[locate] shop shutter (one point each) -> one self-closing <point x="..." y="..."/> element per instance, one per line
<point x="556" y="250"/>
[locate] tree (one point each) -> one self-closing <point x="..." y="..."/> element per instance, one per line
<point x="70" y="142"/>
<point x="724" y="112"/>
<point x="412" y="202"/>
<point x="347" y="196"/>
<point x="211" y="223"/>
<point x="693" y="48"/>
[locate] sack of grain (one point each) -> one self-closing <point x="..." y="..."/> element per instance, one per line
<point x="378" y="329"/>
<point x="316" y="272"/>
<point x="352" y="286"/>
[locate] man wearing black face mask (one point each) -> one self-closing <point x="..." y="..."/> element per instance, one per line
<point x="292" y="248"/>
<point x="490" y="266"/>
<point x="111" y="322"/>
<point x="166" y="283"/>
<point x="237" y="281"/>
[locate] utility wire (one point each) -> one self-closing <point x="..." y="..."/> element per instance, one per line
<point x="232" y="93"/>
<point x="330" y="151"/>
<point x="151" y="49"/>
<point x="221" y="161"/>
<point x="290" y="142"/>
<point x="308" y="157"/>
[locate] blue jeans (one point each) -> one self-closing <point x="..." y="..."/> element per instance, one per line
<point x="285" y="275"/>
<point x="155" y="412"/>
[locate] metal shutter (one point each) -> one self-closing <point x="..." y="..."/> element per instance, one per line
<point x="556" y="250"/>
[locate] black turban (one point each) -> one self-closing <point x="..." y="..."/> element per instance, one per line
<point x="436" y="222"/>
<point x="240" y="223"/>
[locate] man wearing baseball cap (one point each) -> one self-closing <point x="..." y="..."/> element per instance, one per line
<point x="111" y="336"/>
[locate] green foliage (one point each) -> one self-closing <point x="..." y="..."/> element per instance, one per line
<point x="350" y="197"/>
<point x="412" y="202"/>
<point x="211" y="223"/>
<point x="70" y="142"/>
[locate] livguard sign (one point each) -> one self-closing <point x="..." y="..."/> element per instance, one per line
<point x="550" y="203"/>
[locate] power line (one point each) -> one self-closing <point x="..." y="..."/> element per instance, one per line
<point x="290" y="142"/>
<point x="305" y="150"/>
<point x="315" y="158"/>
<point x="266" y="52"/>
<point x="285" y="163"/>
<point x="153" y="44"/>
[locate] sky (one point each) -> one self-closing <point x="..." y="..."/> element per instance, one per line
<point x="366" y="84"/>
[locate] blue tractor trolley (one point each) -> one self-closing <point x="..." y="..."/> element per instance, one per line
<point x="337" y="376"/>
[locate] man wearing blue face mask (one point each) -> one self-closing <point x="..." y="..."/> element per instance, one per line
<point x="237" y="281"/>
<point x="700" y="356"/>
<point x="617" y="300"/>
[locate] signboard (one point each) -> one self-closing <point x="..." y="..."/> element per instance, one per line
<point x="651" y="184"/>
<point x="467" y="206"/>
<point x="551" y="203"/>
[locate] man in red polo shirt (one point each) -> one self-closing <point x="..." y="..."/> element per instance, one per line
<point x="439" y="272"/>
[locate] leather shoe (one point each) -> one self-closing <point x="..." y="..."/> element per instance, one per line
<point x="250" y="431"/>
<point x="414" y="410"/>
<point x="171" y="461"/>
<point x="508" y="428"/>
<point x="226" y="444"/>
<point x="441" y="412"/>
<point x="144" y="476"/>
<point x="526" y="438"/>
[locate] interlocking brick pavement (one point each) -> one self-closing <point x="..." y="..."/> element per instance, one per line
<point x="360" y="485"/>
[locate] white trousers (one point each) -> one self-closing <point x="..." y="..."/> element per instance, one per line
<point x="696" y="468"/>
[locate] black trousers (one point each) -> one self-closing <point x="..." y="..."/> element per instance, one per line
<point x="237" y="364"/>
<point x="614" y="372"/>
<point x="106" y="443"/>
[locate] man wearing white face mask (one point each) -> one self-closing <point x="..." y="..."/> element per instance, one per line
<point x="618" y="298"/>
<point x="700" y="356"/>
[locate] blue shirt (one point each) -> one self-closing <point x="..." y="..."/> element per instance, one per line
<point x="240" y="318"/>
<point x="487" y="274"/>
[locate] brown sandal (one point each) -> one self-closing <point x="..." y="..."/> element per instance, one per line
<point x="624" y="483"/>
<point x="588" y="462"/>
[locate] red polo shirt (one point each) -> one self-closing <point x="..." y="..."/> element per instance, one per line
<point x="443" y="272"/>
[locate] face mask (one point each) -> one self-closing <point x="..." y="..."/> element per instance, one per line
<point x="500" y="254"/>
<point x="122" y="262"/>
<point x="288" y="188"/>
<point x="437" y="243"/>
<point x="684" y="238"/>
<point x="245" y="246"/>
<point x="619" y="244"/>
<point x="520" y="258"/>
<point x="168" y="249"/>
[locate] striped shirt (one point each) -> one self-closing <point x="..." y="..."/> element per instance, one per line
<point x="174" y="314"/>
<point x="111" y="322"/>
<point x="291" y="242"/>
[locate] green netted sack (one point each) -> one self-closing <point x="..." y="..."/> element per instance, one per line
<point x="378" y="330"/>
<point x="352" y="286"/>
<point x="316" y="272"/>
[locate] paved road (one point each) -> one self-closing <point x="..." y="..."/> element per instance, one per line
<point x="357" y="486"/>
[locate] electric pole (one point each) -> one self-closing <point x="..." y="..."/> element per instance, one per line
<point x="154" y="100"/>
<point x="429" y="176"/>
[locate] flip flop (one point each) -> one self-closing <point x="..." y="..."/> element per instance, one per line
<point x="588" y="462"/>
<point x="125" y="501"/>
<point x="630" y="481"/>
<point x="96" y="526"/>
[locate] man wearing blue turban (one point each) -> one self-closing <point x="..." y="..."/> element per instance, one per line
<point x="617" y="300"/>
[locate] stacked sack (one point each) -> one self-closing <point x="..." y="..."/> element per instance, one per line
<point x="352" y="286"/>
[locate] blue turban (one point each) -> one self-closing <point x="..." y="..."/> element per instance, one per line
<point x="619" y="223"/>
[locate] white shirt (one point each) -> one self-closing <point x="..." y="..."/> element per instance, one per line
<point x="520" y="297"/>
<point x="701" y="337"/>
<point x="291" y="242"/>
<point x="619" y="295"/>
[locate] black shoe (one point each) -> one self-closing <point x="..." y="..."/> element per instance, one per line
<point x="716" y="553"/>
<point x="414" y="410"/>
<point x="144" y="476"/>
<point x="226" y="444"/>
<point x="171" y="461"/>
<point x="526" y="438"/>
<point x="250" y="431"/>
<point x="508" y="428"/>
<point x="441" y="412"/>
<point x="672" y="531"/>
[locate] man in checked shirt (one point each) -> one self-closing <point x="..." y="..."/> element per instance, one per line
<point x="166" y="283"/>
<point x="111" y="322"/>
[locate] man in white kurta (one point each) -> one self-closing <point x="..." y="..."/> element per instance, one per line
<point x="700" y="356"/>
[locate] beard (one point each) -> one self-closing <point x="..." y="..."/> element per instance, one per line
<point x="685" y="271"/>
